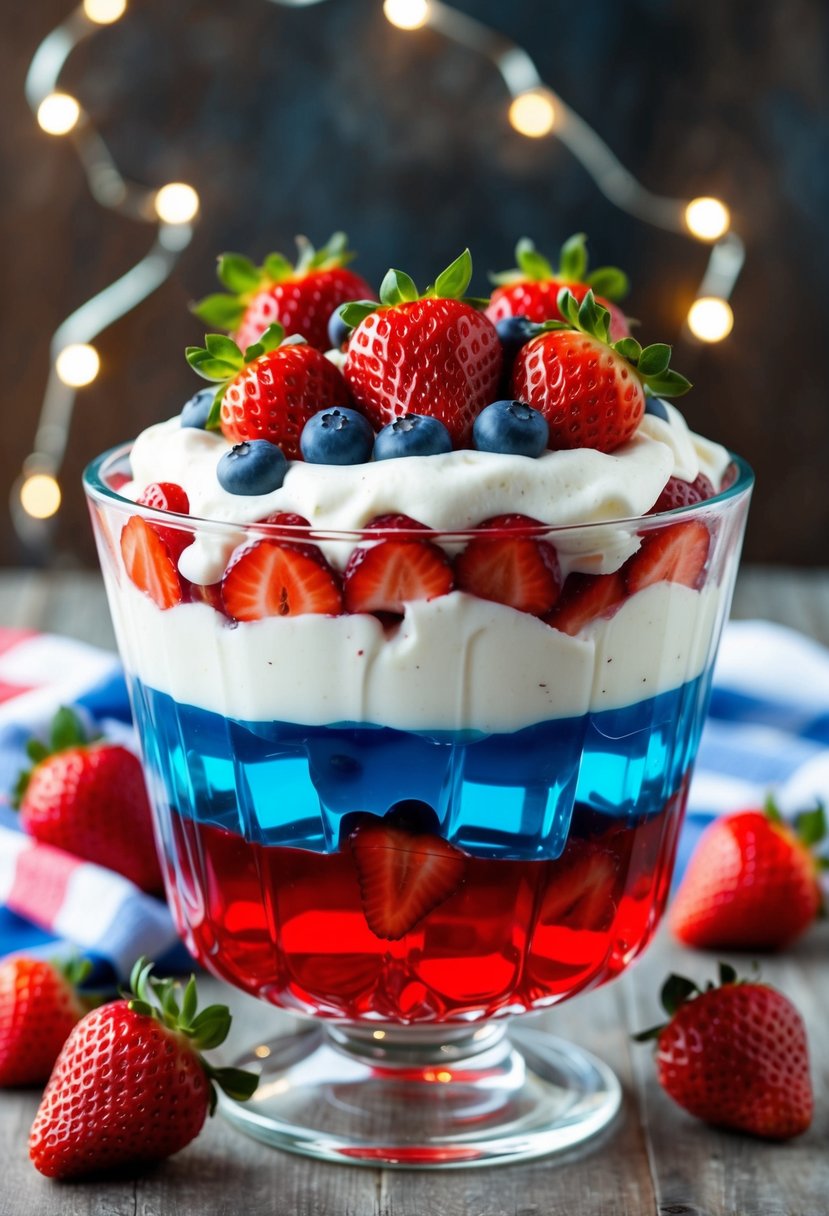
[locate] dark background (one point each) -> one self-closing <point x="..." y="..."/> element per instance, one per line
<point x="307" y="120"/>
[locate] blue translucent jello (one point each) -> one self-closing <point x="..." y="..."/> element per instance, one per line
<point x="501" y="795"/>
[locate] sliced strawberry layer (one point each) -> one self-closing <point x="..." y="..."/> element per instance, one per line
<point x="580" y="891"/>
<point x="272" y="579"/>
<point x="403" y="875"/>
<point x="519" y="572"/>
<point x="393" y="573"/>
<point x="393" y="523"/>
<point x="149" y="564"/>
<point x="168" y="496"/>
<point x="586" y="597"/>
<point x="679" y="493"/>
<point x="675" y="554"/>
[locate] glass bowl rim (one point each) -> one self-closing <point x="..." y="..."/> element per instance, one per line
<point x="98" y="491"/>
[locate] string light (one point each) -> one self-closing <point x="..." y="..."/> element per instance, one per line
<point x="710" y="319"/>
<point x="707" y="218"/>
<point x="535" y="110"/>
<point x="58" y="113"/>
<point x="406" y="14"/>
<point x="78" y="364"/>
<point x="176" y="203"/>
<point x="40" y="496"/>
<point x="104" y="12"/>
<point x="532" y="113"/>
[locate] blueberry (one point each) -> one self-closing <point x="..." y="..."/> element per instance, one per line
<point x="338" y="331"/>
<point x="197" y="410"/>
<point x="412" y="435"/>
<point x="337" y="436"/>
<point x="514" y="333"/>
<point x="512" y="427"/>
<point x="656" y="407"/>
<point x="254" y="467"/>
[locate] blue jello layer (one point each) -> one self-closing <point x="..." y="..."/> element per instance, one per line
<point x="500" y="795"/>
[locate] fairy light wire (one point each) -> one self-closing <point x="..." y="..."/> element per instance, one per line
<point x="706" y="220"/>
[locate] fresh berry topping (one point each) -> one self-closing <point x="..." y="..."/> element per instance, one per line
<point x="591" y="391"/>
<point x="269" y="578"/>
<point x="388" y="575"/>
<point x="338" y="436"/>
<point x="678" y="493"/>
<point x="70" y="797"/>
<point x="270" y="391"/>
<point x="338" y="331"/>
<point x="404" y="875"/>
<point x="167" y="496"/>
<point x="585" y="598"/>
<point x="656" y="407"/>
<point x="531" y="290"/>
<point x="196" y="411"/>
<point x="431" y="354"/>
<point x="300" y="298"/>
<point x="512" y="427"/>
<point x="130" y="1086"/>
<point x="515" y="332"/>
<point x="735" y="1055"/>
<point x="753" y="882"/>
<point x="674" y="554"/>
<point x="514" y="570"/>
<point x="412" y="435"/>
<point x="255" y="466"/>
<point x="149" y="564"/>
<point x="38" y="1008"/>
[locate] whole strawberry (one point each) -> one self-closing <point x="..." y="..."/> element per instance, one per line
<point x="591" y="390"/>
<point x="531" y="290"/>
<point x="735" y="1055"/>
<point x="753" y="882"/>
<point x="433" y="354"/>
<point x="270" y="391"/>
<point x="129" y="1086"/>
<point x="89" y="798"/>
<point x="39" y="1005"/>
<point x="300" y="298"/>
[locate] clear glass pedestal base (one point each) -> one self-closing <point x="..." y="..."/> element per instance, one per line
<point x="424" y="1098"/>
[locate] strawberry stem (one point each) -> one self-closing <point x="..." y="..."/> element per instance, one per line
<point x="65" y="731"/>
<point x="607" y="281"/>
<point x="220" y="360"/>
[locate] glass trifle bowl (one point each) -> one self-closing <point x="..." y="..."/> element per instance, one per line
<point x="412" y="826"/>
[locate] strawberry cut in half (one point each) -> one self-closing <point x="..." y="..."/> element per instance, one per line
<point x="404" y="875"/>
<point x="580" y="890"/>
<point x="272" y="579"/>
<point x="518" y="571"/>
<point x="149" y="563"/>
<point x="168" y="496"/>
<point x="675" y="554"/>
<point x="585" y="598"/>
<point x="387" y="576"/>
<point x="679" y="493"/>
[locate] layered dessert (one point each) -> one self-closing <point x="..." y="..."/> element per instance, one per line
<point x="418" y="606"/>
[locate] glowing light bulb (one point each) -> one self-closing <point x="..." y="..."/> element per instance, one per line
<point x="406" y="14"/>
<point x="58" y="113"/>
<point x="40" y="495"/>
<point x="176" y="203"/>
<point x="710" y="319"/>
<point x="104" y="12"/>
<point x="707" y="218"/>
<point x="78" y="364"/>
<point x="262" y="1051"/>
<point x="532" y="113"/>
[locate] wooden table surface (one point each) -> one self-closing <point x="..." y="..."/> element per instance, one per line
<point x="654" y="1161"/>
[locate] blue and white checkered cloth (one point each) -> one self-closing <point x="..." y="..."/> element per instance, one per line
<point x="768" y="732"/>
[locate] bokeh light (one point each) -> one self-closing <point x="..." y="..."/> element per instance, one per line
<point x="707" y="218"/>
<point x="710" y="319"/>
<point x="532" y="113"/>
<point x="58" y="113"/>
<point x="104" y="12"/>
<point x="407" y="14"/>
<point x="78" y="364"/>
<point x="40" y="495"/>
<point x="176" y="203"/>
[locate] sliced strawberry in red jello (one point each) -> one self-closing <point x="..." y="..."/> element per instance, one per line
<point x="510" y="569"/>
<point x="585" y="598"/>
<point x="272" y="579"/>
<point x="149" y="564"/>
<point x="674" y="554"/>
<point x="392" y="573"/>
<point x="403" y="874"/>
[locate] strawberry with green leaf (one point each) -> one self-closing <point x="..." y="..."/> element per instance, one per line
<point x="431" y="353"/>
<point x="531" y="290"/>
<point x="300" y="297"/>
<point x="269" y="391"/>
<point x="130" y="1086"/>
<point x="591" y="389"/>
